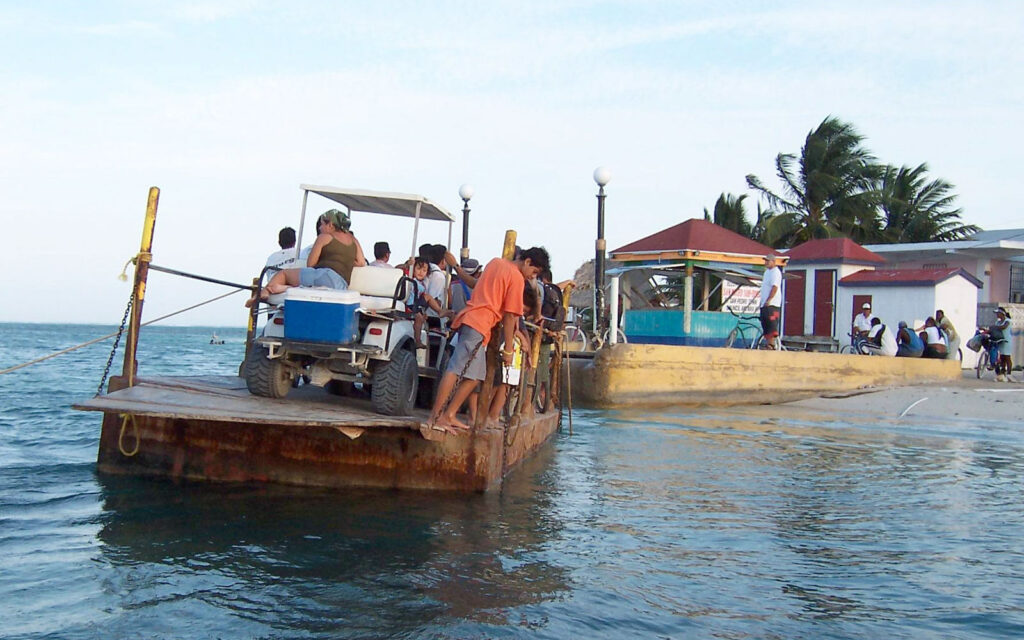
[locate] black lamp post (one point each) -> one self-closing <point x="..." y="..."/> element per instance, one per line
<point x="601" y="176"/>
<point x="465" y="192"/>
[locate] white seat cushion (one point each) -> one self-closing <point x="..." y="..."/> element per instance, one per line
<point x="375" y="281"/>
<point x="374" y="303"/>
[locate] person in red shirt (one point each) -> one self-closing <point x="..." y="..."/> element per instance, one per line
<point x="497" y="297"/>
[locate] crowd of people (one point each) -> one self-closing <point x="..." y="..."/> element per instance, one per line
<point x="936" y="338"/>
<point x="516" y="295"/>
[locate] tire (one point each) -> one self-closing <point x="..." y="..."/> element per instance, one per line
<point x="846" y="349"/>
<point x="731" y="338"/>
<point x="576" y="341"/>
<point x="621" y="336"/>
<point x="979" y="369"/>
<point x="265" y="377"/>
<point x="395" y="384"/>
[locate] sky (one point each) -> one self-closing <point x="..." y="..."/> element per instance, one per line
<point x="229" y="105"/>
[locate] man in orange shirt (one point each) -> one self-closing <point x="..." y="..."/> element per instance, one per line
<point x="497" y="297"/>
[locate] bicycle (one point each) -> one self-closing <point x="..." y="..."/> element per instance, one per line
<point x="858" y="345"/>
<point x="750" y="324"/>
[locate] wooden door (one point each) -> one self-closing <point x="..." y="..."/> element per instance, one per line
<point x="824" y="301"/>
<point x="858" y="302"/>
<point x="793" y="306"/>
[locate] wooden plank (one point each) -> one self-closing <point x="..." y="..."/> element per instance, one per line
<point x="223" y="399"/>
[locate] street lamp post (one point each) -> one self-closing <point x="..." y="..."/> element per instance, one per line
<point x="465" y="192"/>
<point x="601" y="176"/>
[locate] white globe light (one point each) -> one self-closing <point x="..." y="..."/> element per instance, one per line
<point x="602" y="176"/>
<point x="466" y="191"/>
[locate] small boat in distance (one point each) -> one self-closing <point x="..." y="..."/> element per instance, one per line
<point x="215" y="339"/>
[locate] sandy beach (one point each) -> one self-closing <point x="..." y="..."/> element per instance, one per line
<point x="968" y="400"/>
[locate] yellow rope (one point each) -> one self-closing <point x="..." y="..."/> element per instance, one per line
<point x="111" y="335"/>
<point x="126" y="418"/>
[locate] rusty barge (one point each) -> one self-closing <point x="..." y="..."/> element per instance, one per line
<point x="212" y="428"/>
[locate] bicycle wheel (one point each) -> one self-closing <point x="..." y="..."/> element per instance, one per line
<point x="576" y="340"/>
<point x="731" y="338"/>
<point x="620" y="336"/>
<point x="847" y="349"/>
<point x="979" y="369"/>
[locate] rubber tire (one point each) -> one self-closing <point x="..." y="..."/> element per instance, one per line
<point x="265" y="377"/>
<point x="395" y="384"/>
<point x="979" y="369"/>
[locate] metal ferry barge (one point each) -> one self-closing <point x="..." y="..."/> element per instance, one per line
<point x="369" y="432"/>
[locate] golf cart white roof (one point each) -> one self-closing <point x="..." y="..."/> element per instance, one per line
<point x="392" y="204"/>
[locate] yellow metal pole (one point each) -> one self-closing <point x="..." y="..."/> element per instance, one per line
<point x="508" y="250"/>
<point x="141" y="273"/>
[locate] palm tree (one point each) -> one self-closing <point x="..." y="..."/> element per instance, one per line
<point x="828" y="190"/>
<point x="730" y="213"/>
<point x="917" y="210"/>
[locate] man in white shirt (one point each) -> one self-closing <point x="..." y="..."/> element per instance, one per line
<point x="285" y="258"/>
<point x="382" y="253"/>
<point x="881" y="340"/>
<point x="862" y="321"/>
<point x="436" y="283"/>
<point x="771" y="301"/>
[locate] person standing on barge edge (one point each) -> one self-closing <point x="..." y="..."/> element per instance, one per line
<point x="497" y="297"/>
<point x="771" y="300"/>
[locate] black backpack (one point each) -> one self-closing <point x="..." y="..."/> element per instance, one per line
<point x="551" y="308"/>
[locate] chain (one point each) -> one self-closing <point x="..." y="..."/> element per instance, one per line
<point x="117" y="340"/>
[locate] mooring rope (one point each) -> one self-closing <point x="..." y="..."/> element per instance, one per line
<point x="111" y="335"/>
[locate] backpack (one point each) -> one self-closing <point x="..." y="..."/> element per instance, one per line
<point x="551" y="309"/>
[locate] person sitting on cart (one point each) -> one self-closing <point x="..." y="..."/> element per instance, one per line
<point x="331" y="259"/>
<point x="419" y="301"/>
<point x="909" y="344"/>
<point x="497" y="298"/>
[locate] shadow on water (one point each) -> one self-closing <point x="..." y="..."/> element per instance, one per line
<point x="326" y="563"/>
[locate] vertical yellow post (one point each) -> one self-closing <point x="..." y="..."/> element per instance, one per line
<point x="141" y="273"/>
<point x="508" y="250"/>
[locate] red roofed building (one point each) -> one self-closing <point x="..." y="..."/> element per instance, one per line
<point x="913" y="295"/>
<point x="810" y="287"/>
<point x="695" y="239"/>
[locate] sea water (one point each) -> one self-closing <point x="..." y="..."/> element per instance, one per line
<point x="673" y="523"/>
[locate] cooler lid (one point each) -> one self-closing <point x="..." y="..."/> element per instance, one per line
<point x="322" y="294"/>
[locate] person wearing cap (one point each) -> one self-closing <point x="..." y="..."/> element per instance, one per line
<point x="1003" y="339"/>
<point x="466" y="273"/>
<point x="771" y="300"/>
<point x="862" y="321"/>
<point x="909" y="344"/>
<point x="331" y="259"/>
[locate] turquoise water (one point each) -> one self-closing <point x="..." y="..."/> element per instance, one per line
<point x="642" y="524"/>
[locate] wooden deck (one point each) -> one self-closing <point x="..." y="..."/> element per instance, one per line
<point x="213" y="429"/>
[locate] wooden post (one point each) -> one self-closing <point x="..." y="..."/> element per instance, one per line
<point x="142" y="261"/>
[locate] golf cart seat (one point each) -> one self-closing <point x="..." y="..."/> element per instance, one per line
<point x="376" y="287"/>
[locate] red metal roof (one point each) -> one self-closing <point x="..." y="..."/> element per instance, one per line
<point x="907" y="277"/>
<point x="833" y="250"/>
<point x="697" y="235"/>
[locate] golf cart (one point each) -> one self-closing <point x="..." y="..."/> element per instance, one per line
<point x="359" y="336"/>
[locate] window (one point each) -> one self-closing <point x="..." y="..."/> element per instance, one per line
<point x="1016" y="282"/>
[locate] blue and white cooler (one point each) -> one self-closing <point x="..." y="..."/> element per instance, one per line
<point x="321" y="315"/>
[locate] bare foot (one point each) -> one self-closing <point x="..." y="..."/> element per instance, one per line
<point x="454" y="423"/>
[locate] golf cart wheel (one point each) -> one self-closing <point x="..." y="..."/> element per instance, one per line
<point x="395" y="383"/>
<point x="265" y="377"/>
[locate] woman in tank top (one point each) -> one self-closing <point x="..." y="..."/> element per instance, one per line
<point x="331" y="259"/>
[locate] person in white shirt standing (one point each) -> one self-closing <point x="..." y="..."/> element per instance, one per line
<point x="771" y="301"/>
<point x="285" y="258"/>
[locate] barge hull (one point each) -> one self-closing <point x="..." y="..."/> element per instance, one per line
<point x="180" y="434"/>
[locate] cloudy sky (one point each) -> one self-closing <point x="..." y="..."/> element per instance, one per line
<point x="229" y="105"/>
